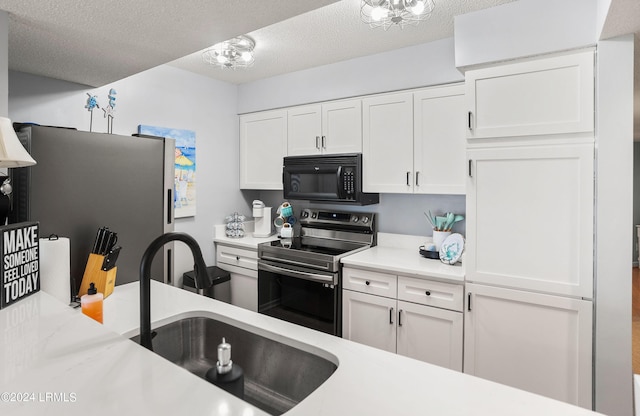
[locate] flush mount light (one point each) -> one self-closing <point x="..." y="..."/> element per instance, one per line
<point x="387" y="13"/>
<point x="231" y="54"/>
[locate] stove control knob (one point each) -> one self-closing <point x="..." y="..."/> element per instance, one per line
<point x="354" y="218"/>
<point x="305" y="214"/>
<point x="365" y="220"/>
<point x="314" y="215"/>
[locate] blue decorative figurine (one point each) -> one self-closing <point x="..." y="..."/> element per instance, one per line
<point x="92" y="102"/>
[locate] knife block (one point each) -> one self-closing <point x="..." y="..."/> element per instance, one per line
<point x="104" y="280"/>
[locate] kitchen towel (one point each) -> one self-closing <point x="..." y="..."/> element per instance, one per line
<point x="55" y="273"/>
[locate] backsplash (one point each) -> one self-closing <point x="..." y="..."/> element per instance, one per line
<point x="397" y="213"/>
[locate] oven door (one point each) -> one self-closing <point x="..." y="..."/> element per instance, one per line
<point x="300" y="295"/>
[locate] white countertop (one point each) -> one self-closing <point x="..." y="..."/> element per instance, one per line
<point x="248" y="241"/>
<point x="399" y="254"/>
<point x="49" y="348"/>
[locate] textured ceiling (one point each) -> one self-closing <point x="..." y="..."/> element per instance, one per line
<point x="331" y="34"/>
<point x="96" y="43"/>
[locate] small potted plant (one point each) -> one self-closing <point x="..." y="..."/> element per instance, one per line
<point x="442" y="226"/>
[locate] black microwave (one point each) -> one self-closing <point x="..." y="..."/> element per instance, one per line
<point x="326" y="178"/>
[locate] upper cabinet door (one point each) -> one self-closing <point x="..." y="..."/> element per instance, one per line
<point x="342" y="127"/>
<point x="263" y="144"/>
<point x="543" y="96"/>
<point x="440" y="145"/>
<point x="530" y="218"/>
<point x="387" y="143"/>
<point x="304" y="130"/>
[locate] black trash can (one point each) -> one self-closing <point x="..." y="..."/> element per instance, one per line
<point x="221" y="288"/>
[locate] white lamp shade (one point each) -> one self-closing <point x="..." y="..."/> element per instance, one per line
<point x="12" y="153"/>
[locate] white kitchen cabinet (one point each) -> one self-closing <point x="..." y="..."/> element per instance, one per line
<point x="398" y="314"/>
<point x="530" y="218"/>
<point x="387" y="143"/>
<point x="242" y="264"/>
<point x="327" y="128"/>
<point x="263" y="144"/>
<point x="430" y="334"/>
<point x="369" y="320"/>
<point x="535" y="342"/>
<point x="552" y="95"/>
<point x="439" y="140"/>
<point x="414" y="142"/>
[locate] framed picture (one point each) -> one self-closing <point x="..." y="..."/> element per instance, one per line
<point x="185" y="167"/>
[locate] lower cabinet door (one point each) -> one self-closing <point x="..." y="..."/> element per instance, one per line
<point x="244" y="291"/>
<point x="430" y="334"/>
<point x="369" y="320"/>
<point x="535" y="342"/>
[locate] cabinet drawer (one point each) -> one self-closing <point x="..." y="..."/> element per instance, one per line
<point x="427" y="292"/>
<point x="237" y="257"/>
<point x="375" y="283"/>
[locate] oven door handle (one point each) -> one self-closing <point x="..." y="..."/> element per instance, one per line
<point x="320" y="278"/>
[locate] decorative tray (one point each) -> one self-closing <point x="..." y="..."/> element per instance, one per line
<point x="430" y="254"/>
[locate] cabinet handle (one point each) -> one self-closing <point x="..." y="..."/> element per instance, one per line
<point x="400" y="317"/>
<point x="238" y="258"/>
<point x="428" y="293"/>
<point x="324" y="142"/>
<point x="417" y="180"/>
<point x="470" y="117"/>
<point x="470" y="175"/>
<point x="391" y="316"/>
<point x="367" y="282"/>
<point x="318" y="142"/>
<point x="408" y="173"/>
<point x="469" y="301"/>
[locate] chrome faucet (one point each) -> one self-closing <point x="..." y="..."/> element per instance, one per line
<point x="202" y="278"/>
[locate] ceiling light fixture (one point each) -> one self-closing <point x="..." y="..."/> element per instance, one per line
<point x="387" y="13"/>
<point x="233" y="53"/>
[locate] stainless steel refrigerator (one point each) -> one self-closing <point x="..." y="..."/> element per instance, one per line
<point x="83" y="181"/>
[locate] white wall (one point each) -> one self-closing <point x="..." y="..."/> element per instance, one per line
<point x="614" y="226"/>
<point x="524" y="28"/>
<point x="415" y="66"/>
<point x="163" y="96"/>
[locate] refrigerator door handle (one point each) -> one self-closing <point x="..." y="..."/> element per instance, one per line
<point x="169" y="206"/>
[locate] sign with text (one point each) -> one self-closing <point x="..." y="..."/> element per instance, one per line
<point x="20" y="266"/>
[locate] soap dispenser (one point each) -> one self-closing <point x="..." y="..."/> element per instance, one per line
<point x="225" y="374"/>
<point x="92" y="303"/>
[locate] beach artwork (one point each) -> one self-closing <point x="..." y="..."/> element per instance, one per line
<point x="184" y="195"/>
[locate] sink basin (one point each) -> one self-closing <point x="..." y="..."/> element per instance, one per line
<point x="277" y="376"/>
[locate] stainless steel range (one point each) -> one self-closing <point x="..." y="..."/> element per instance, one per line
<point x="299" y="279"/>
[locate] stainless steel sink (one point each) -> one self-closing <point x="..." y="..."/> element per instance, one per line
<point x="277" y="376"/>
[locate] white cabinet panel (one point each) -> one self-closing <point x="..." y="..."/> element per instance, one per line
<point x="342" y="127"/>
<point x="244" y="291"/>
<point x="439" y="140"/>
<point x="430" y="293"/>
<point x="530" y="218"/>
<point x="539" y="343"/>
<point x="543" y="96"/>
<point x="430" y="334"/>
<point x="327" y="128"/>
<point x="243" y="267"/>
<point x="369" y="320"/>
<point x="375" y="283"/>
<point x="303" y="130"/>
<point x="263" y="145"/>
<point x="387" y="143"/>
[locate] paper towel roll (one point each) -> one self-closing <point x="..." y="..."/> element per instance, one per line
<point x="55" y="273"/>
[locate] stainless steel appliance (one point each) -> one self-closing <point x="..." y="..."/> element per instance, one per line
<point x="84" y="181"/>
<point x="299" y="279"/>
<point x="327" y="178"/>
